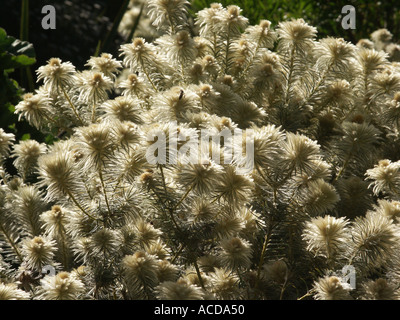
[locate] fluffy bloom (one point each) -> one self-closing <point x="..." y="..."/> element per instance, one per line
<point x="35" y="108"/>
<point x="97" y="144"/>
<point x="318" y="197"/>
<point x="262" y="34"/>
<point x="54" y="220"/>
<point x="235" y="253"/>
<point x="56" y="74"/>
<point x="209" y="19"/>
<point x="299" y="152"/>
<point x="123" y="109"/>
<point x="389" y="209"/>
<point x="137" y="54"/>
<point x="201" y="177"/>
<point x="232" y="21"/>
<point x="331" y="288"/>
<point x="57" y="173"/>
<point x="145" y="233"/>
<point x="385" y="176"/>
<point x="326" y="236"/>
<point x="105" y="64"/>
<point x="104" y="243"/>
<point x="176" y="102"/>
<point x="140" y="270"/>
<point x="179" y="47"/>
<point x="179" y="290"/>
<point x="296" y="34"/>
<point x="38" y="252"/>
<point x="171" y="11"/>
<point x="380" y="289"/>
<point x="10" y="291"/>
<point x="224" y="283"/>
<point x="334" y="52"/>
<point x="133" y="85"/>
<point x="375" y="238"/>
<point x="94" y="86"/>
<point x="339" y="92"/>
<point x="63" y="286"/>
<point x="371" y="60"/>
<point x="234" y="188"/>
<point x="6" y="140"/>
<point x="26" y="155"/>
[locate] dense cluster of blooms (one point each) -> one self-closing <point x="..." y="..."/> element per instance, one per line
<point x="324" y="192"/>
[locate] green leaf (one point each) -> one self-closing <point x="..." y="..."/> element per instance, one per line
<point x="26" y="136"/>
<point x="15" y="53"/>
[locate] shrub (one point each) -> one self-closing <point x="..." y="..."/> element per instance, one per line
<point x="322" y="119"/>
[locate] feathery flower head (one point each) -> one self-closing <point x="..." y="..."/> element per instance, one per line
<point x="209" y="19"/>
<point x="381" y="35"/>
<point x="179" y="290"/>
<point x="318" y="197"/>
<point x="296" y="35"/>
<point x="63" y="286"/>
<point x="200" y="177"/>
<point x="103" y="242"/>
<point x="371" y="60"/>
<point x="331" y="288"/>
<point x="170" y="11"/>
<point x="340" y="92"/>
<point x="235" y="253"/>
<point x="262" y="34"/>
<point x="140" y="269"/>
<point x="167" y="271"/>
<point x="380" y="289"/>
<point x="137" y="53"/>
<point x="179" y="47"/>
<point x="385" y="176"/>
<point x="105" y="64"/>
<point x="56" y="74"/>
<point x="26" y="155"/>
<point x="203" y="210"/>
<point x="326" y="236"/>
<point x="38" y="252"/>
<point x="365" y="43"/>
<point x="133" y="86"/>
<point x="126" y="134"/>
<point x="224" y="283"/>
<point x="233" y="21"/>
<point x="375" y="238"/>
<point x="10" y="291"/>
<point x="35" y="108"/>
<point x="57" y="173"/>
<point x="6" y="140"/>
<point x="234" y="188"/>
<point x="123" y="108"/>
<point x="96" y="142"/>
<point x="54" y="220"/>
<point x="389" y="209"/>
<point x="145" y="233"/>
<point x="176" y="102"/>
<point x="299" y="151"/>
<point x="93" y="86"/>
<point x="335" y="52"/>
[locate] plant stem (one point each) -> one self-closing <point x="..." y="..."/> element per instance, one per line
<point x="183" y="197"/>
<point x="11" y="242"/>
<point x="104" y="191"/>
<point x="289" y="80"/>
<point x="79" y="206"/>
<point x="71" y="105"/>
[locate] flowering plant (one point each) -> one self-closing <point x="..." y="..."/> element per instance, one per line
<point x="324" y="120"/>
